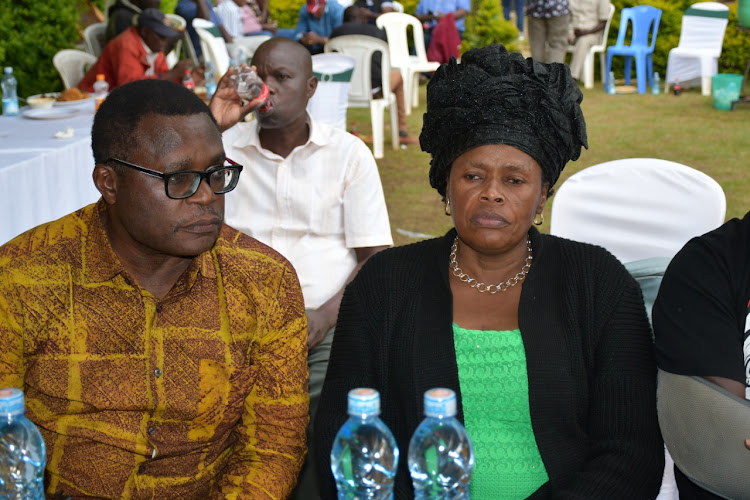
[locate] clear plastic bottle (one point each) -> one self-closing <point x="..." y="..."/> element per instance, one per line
<point x="611" y="84"/>
<point x="22" y="453"/>
<point x="657" y="83"/>
<point x="101" y="90"/>
<point x="364" y="457"/>
<point x="187" y="80"/>
<point x="10" y="93"/>
<point x="441" y="457"/>
<point x="210" y="76"/>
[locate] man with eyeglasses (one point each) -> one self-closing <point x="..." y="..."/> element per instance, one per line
<point x="162" y="353"/>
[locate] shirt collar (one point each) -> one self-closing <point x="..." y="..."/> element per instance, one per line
<point x="102" y="264"/>
<point x="249" y="136"/>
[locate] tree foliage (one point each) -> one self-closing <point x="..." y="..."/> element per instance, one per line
<point x="486" y="25"/>
<point x="31" y="32"/>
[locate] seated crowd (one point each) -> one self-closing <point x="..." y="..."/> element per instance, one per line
<point x="182" y="339"/>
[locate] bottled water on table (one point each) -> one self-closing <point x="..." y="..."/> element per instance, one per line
<point x="441" y="457"/>
<point x="101" y="90"/>
<point x="10" y="93"/>
<point x="22" y="453"/>
<point x="364" y="457"/>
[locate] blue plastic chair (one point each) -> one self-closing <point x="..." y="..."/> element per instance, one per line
<point x="644" y="20"/>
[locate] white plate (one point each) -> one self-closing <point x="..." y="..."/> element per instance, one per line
<point x="73" y="103"/>
<point x="50" y="113"/>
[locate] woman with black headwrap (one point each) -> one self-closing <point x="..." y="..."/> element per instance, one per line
<point x="545" y="340"/>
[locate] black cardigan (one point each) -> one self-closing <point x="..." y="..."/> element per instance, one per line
<point x="590" y="362"/>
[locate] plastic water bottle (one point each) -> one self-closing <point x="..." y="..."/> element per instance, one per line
<point x="441" y="457"/>
<point x="22" y="453"/>
<point x="210" y="76"/>
<point x="364" y="457"/>
<point x="10" y="93"/>
<point x="611" y="83"/>
<point x="187" y="80"/>
<point x="657" y="82"/>
<point x="101" y="90"/>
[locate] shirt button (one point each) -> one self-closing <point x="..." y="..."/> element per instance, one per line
<point x="158" y="309"/>
<point x="141" y="469"/>
<point x="157" y="373"/>
<point x="151" y="431"/>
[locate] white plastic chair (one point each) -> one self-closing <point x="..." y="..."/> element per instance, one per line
<point x="93" y="38"/>
<point x="637" y="208"/>
<point x="600" y="48"/>
<point x="697" y="54"/>
<point x="330" y="101"/>
<point x="72" y="65"/>
<point x="643" y="210"/>
<point x="249" y="45"/>
<point x="178" y="23"/>
<point x="396" y="25"/>
<point x="214" y="48"/>
<point x="361" y="48"/>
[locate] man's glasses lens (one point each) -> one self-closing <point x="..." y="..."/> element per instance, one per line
<point x="185" y="184"/>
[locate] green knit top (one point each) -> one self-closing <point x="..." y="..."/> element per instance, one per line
<point x="495" y="396"/>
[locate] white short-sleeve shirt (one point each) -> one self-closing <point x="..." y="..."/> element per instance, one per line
<point x="314" y="207"/>
<point x="231" y="16"/>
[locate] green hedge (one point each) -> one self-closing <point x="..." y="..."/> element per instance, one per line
<point x="31" y="32"/>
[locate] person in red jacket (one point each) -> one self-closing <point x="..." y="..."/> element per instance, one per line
<point x="137" y="53"/>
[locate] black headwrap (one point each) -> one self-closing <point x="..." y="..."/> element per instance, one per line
<point x="493" y="97"/>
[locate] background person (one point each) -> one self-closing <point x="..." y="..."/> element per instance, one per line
<point x="313" y="193"/>
<point x="431" y="11"/>
<point x="162" y="352"/>
<point x="589" y="18"/>
<point x="702" y="321"/>
<point x="549" y="24"/>
<point x="122" y="13"/>
<point x="190" y="9"/>
<point x="136" y="54"/>
<point x="317" y="20"/>
<point x="519" y="6"/>
<point x="555" y="372"/>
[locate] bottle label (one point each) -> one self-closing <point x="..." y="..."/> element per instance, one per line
<point x="10" y="107"/>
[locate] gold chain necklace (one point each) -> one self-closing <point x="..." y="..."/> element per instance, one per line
<point x="493" y="289"/>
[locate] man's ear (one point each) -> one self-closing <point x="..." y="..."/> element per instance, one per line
<point x="312" y="84"/>
<point x="106" y="181"/>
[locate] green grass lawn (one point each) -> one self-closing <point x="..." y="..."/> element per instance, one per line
<point x="684" y="129"/>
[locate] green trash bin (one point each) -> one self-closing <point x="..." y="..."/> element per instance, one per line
<point x="725" y="88"/>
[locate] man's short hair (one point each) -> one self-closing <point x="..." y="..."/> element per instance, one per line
<point x="115" y="123"/>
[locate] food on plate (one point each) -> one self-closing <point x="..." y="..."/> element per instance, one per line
<point x="73" y="94"/>
<point x="41" y="101"/>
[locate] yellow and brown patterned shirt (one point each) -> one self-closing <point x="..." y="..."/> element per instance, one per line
<point x="200" y="395"/>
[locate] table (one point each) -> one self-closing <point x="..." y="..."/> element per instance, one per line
<point x="43" y="178"/>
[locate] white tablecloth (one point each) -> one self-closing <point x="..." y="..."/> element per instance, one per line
<point x="43" y="178"/>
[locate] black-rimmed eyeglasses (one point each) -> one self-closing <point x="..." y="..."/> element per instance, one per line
<point x="185" y="183"/>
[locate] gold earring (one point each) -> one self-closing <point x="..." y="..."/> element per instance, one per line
<point x="541" y="221"/>
<point x="447" y="207"/>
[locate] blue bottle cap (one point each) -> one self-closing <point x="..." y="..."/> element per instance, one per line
<point x="11" y="402"/>
<point x="364" y="402"/>
<point x="439" y="403"/>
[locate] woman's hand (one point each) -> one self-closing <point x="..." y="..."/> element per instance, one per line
<point x="226" y="105"/>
